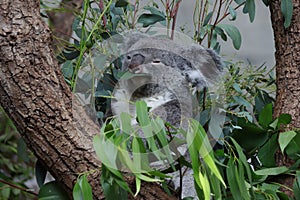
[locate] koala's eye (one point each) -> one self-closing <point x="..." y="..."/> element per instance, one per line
<point x="156" y="61"/>
<point x="128" y="57"/>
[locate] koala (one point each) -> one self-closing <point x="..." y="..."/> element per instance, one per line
<point x="165" y="76"/>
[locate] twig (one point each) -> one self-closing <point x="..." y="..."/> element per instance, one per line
<point x="18" y="187"/>
<point x="101" y="6"/>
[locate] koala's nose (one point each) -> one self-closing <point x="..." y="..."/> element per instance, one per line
<point x="136" y="60"/>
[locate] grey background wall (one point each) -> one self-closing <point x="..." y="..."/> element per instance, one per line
<point x="257" y="37"/>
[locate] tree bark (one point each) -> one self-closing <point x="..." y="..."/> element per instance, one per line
<point x="35" y="96"/>
<point x="287" y="43"/>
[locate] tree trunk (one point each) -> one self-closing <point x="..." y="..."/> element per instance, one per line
<point x="287" y="43"/>
<point x="35" y="96"/>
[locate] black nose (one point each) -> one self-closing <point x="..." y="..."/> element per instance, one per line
<point x="136" y="60"/>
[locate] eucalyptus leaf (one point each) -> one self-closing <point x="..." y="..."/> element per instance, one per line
<point x="149" y="19"/>
<point x="207" y="18"/>
<point x="22" y="150"/>
<point x="233" y="33"/>
<point x="293" y="148"/>
<point x="232" y="175"/>
<point x="285" y="138"/>
<point x="52" y="191"/>
<point x="250" y="9"/>
<point x="155" y="11"/>
<point x="221" y="33"/>
<point x="284" y="119"/>
<point x="287" y="11"/>
<point x="142" y="113"/>
<point x="121" y="3"/>
<point x="232" y="13"/>
<point x="266" y="116"/>
<point x="272" y="171"/>
<point x="267" y="151"/>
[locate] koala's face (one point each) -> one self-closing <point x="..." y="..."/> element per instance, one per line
<point x="134" y="60"/>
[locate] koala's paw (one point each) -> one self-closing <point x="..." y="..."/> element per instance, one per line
<point x="196" y="79"/>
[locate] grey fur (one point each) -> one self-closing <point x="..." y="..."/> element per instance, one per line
<point x="166" y="73"/>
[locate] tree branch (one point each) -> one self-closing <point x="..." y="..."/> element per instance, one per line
<point x="35" y="96"/>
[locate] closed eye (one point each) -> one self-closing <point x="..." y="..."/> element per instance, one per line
<point x="156" y="61"/>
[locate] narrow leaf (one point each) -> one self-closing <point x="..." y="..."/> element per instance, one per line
<point x="287" y="11"/>
<point x="149" y="19"/>
<point x="265" y="116"/>
<point x="250" y="9"/>
<point x="272" y="171"/>
<point x="232" y="13"/>
<point x="207" y="18"/>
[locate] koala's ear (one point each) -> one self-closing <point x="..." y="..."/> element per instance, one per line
<point x="131" y="38"/>
<point x="205" y="60"/>
<point x="216" y="58"/>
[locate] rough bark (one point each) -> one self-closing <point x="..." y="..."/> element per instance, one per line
<point x="287" y="43"/>
<point x="61" y="22"/>
<point x="35" y="96"/>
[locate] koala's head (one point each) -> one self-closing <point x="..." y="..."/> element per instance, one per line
<point x="200" y="66"/>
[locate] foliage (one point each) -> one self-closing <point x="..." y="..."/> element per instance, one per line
<point x="242" y="166"/>
<point x="16" y="162"/>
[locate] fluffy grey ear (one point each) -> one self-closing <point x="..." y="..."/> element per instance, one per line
<point x="216" y="58"/>
<point x="130" y="39"/>
<point x="205" y="60"/>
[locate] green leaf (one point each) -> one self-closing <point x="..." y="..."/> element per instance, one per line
<point x="272" y="171"/>
<point x="142" y="113"/>
<point x="121" y="3"/>
<point x="293" y="148"/>
<point x="261" y="100"/>
<point x="155" y="11"/>
<point x="237" y="88"/>
<point x="266" y="116"/>
<point x="149" y="19"/>
<point x="232" y="13"/>
<point x="266" y="153"/>
<point x="125" y="120"/>
<point x="22" y="150"/>
<point x="52" y="191"/>
<point x="250" y="137"/>
<point x="105" y="149"/>
<point x="250" y="9"/>
<point x="82" y="189"/>
<point x="284" y="119"/>
<point x="138" y="186"/>
<point x="287" y="11"/>
<point x="207" y="18"/>
<point x="198" y="141"/>
<point x="137" y="159"/>
<point x="205" y="186"/>
<point x="285" y="138"/>
<point x="221" y="32"/>
<point x="296" y="186"/>
<point x="147" y="178"/>
<point x="113" y="187"/>
<point x="232" y="175"/>
<point x="239" y="1"/>
<point x="86" y="188"/>
<point x="240" y="100"/>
